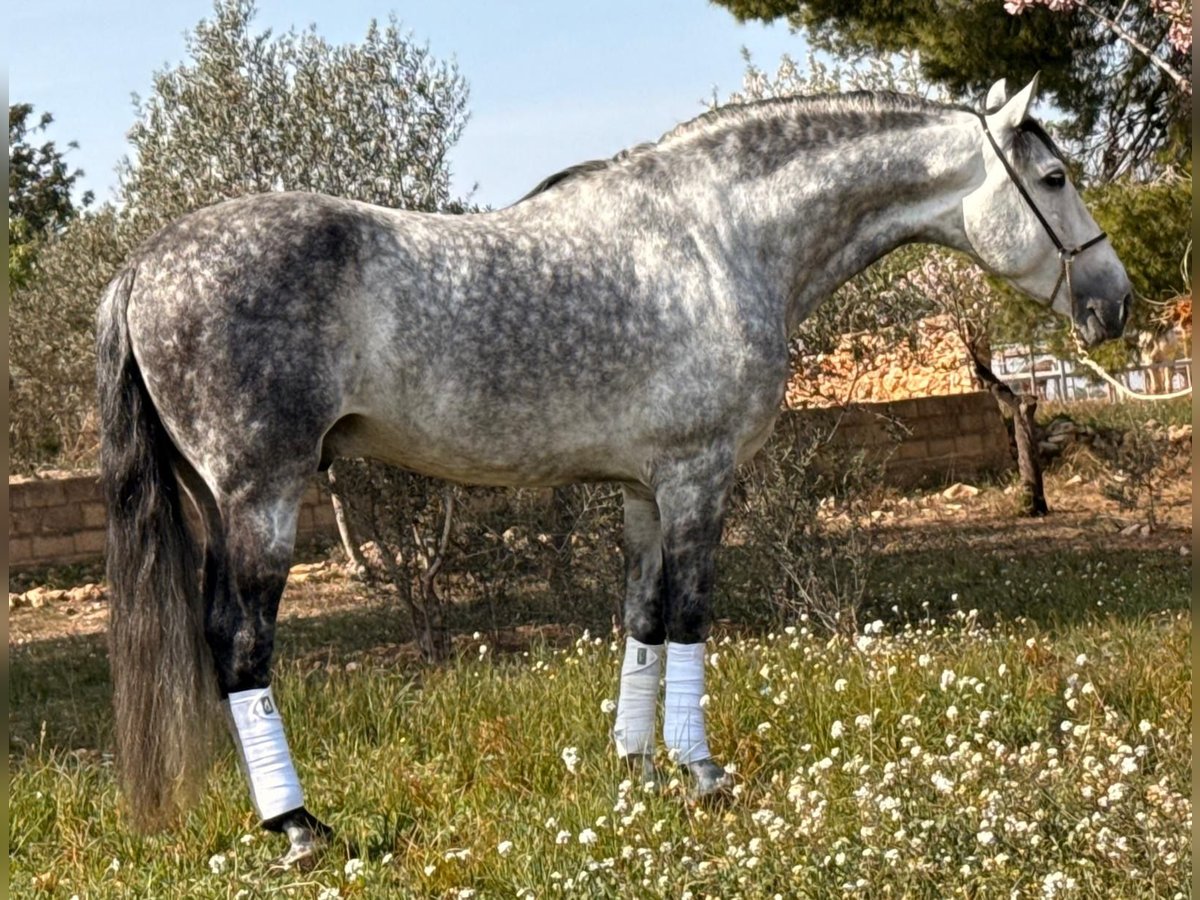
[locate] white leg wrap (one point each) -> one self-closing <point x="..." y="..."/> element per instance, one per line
<point x="683" y="724"/>
<point x="637" y="705"/>
<point x="258" y="735"/>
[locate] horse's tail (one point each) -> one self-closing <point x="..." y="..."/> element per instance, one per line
<point x="164" y="688"/>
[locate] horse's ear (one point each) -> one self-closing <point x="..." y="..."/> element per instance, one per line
<point x="995" y="97"/>
<point x="1016" y="110"/>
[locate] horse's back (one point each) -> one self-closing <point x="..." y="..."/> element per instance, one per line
<point x="495" y="348"/>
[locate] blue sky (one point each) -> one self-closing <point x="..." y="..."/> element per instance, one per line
<point x="552" y="83"/>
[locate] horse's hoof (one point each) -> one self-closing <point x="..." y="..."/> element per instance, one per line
<point x="303" y="852"/>
<point x="642" y="769"/>
<point x="709" y="780"/>
<point x="307" y="836"/>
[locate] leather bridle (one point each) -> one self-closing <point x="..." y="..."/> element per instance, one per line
<point x="1066" y="255"/>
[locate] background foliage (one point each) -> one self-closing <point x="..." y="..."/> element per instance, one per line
<point x="248" y="111"/>
<point x="1122" y="112"/>
<point x="39" y="191"/>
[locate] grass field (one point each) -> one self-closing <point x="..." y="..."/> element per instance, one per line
<point x="1012" y="721"/>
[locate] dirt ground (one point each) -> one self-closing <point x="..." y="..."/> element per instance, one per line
<point x="1083" y="515"/>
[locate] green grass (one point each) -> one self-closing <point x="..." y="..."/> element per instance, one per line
<point x="1121" y="415"/>
<point x="962" y="784"/>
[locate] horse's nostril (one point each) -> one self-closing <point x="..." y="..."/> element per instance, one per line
<point x="1126" y="305"/>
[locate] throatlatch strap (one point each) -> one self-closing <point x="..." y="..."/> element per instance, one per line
<point x="262" y="746"/>
<point x="637" y="704"/>
<point x="683" y="724"/>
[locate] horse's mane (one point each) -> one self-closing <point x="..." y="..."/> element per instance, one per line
<point x="826" y="109"/>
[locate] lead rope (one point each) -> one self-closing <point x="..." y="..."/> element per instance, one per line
<point x="1081" y="356"/>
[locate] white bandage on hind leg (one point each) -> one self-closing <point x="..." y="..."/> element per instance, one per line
<point x="637" y="704"/>
<point x="683" y="723"/>
<point x="258" y="734"/>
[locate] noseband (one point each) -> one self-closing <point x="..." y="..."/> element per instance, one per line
<point x="1066" y="255"/>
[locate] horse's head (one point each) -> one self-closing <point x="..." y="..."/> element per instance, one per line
<point x="1026" y="223"/>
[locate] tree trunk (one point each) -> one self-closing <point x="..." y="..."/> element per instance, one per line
<point x="1028" y="462"/>
<point x="349" y="543"/>
<point x="1025" y="431"/>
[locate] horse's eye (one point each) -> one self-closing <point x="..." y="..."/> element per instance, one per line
<point x="1055" y="179"/>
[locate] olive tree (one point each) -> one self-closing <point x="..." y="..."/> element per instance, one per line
<point x="246" y="111"/>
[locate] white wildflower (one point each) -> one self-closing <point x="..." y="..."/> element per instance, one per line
<point x="837" y="729"/>
<point x="607" y="706"/>
<point x="353" y="868"/>
<point x="1056" y="883"/>
<point x="587" y="836"/>
<point x="217" y="863"/>
<point x="570" y="758"/>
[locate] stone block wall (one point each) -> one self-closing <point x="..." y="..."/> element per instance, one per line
<point x="952" y="437"/>
<point x="58" y="518"/>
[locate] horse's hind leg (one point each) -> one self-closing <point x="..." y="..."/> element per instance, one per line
<point x="645" y="633"/>
<point x="691" y="497"/>
<point x="246" y="568"/>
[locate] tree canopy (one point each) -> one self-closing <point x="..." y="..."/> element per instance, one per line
<point x="247" y="111"/>
<point x="251" y="112"/>
<point x="39" y="190"/>
<point x="1124" y="113"/>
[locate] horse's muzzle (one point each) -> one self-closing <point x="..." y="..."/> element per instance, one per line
<point x="1103" y="320"/>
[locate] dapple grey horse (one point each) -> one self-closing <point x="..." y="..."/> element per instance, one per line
<point x="628" y="322"/>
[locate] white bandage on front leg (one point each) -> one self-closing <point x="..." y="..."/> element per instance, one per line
<point x="683" y="723"/>
<point x="258" y="735"/>
<point x="637" y="704"/>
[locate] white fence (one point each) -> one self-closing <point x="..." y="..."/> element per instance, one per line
<point x="1052" y="378"/>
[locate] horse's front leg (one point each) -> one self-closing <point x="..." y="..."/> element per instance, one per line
<point x="691" y="497"/>
<point x="645" y="634"/>
<point x="245" y="573"/>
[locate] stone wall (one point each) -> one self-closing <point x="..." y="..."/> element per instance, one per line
<point x="59" y="518"/>
<point x="926" y="440"/>
<point x="877" y="367"/>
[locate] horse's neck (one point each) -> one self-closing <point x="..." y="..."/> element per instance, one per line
<point x="827" y="215"/>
